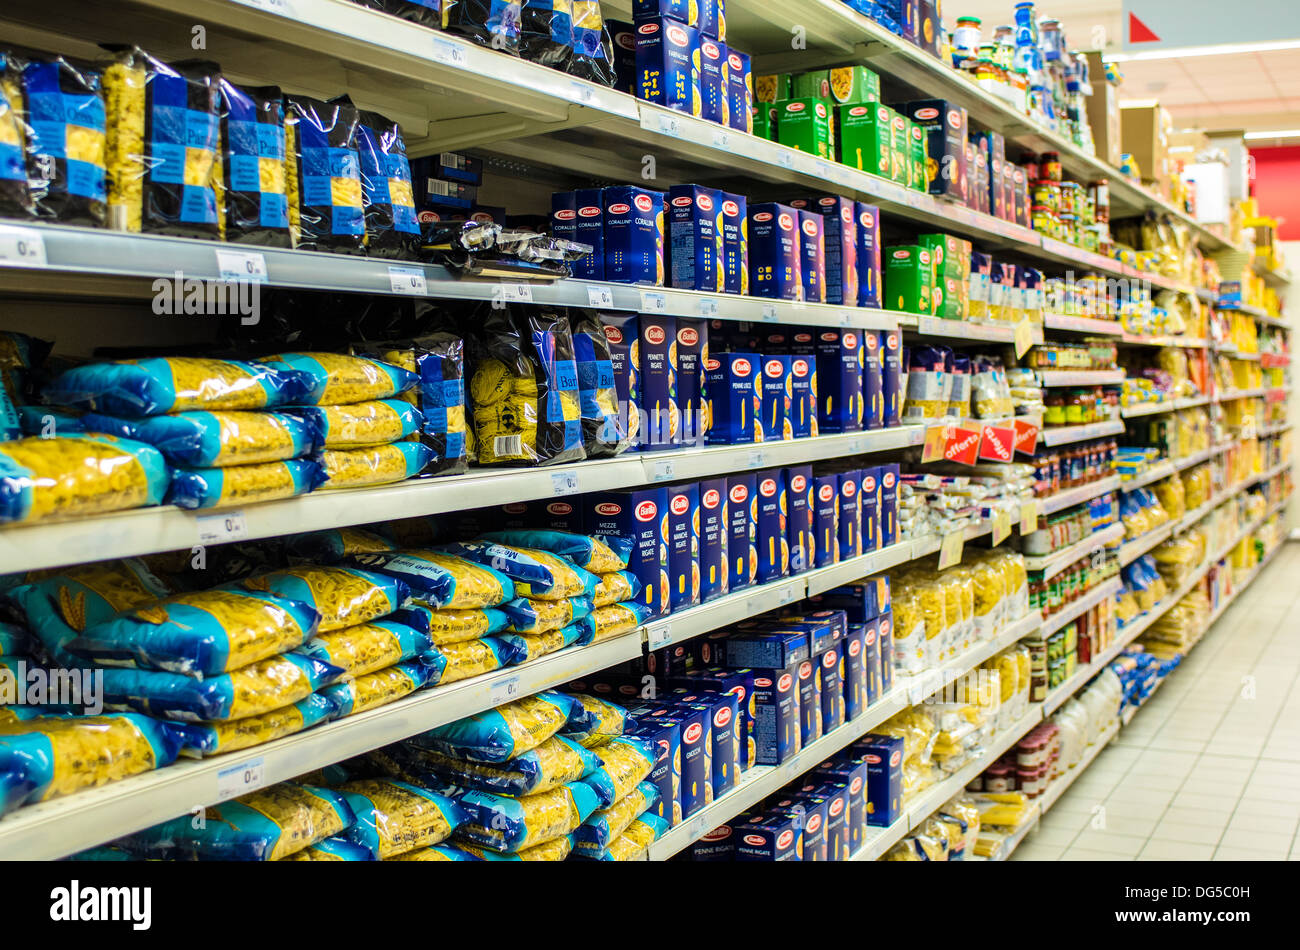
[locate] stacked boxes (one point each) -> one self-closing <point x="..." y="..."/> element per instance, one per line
<point x="682" y="61"/>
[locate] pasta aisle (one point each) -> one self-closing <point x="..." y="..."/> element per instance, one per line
<point x="394" y="469"/>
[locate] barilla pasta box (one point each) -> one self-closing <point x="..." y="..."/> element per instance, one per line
<point x="884" y="758"/>
<point x="850" y="513"/>
<point x="810" y="701"/>
<point x="869" y="509"/>
<point x="888" y="504"/>
<point x="826" y="521"/>
<point x="865" y="137"/>
<point x="812" y="245"/>
<point x="684" y="545"/>
<point x="665" y="738"/>
<point x="713" y="19"/>
<point x="770" y="837"/>
<point x="714" y="578"/>
<point x="735" y="398"/>
<point x="778" y="392"/>
<point x="909" y="279"/>
<point x="657" y="383"/>
<point x="803" y="396"/>
<point x="775" y="252"/>
<point x="713" y="81"/>
<point x="623" y="37"/>
<point x="694" y="228"/>
<point x="860" y="602"/>
<point x="870" y="278"/>
<point x="723" y="711"/>
<point x="799" y="520"/>
<point x="765" y="649"/>
<point x="885" y="636"/>
<point x="564" y="215"/>
<point x="687" y="11"/>
<point x="891" y="377"/>
<point x="773" y="545"/>
<point x="634" y="235"/>
<point x="643" y="516"/>
<point x="871" y="660"/>
<point x="900" y="147"/>
<point x="735" y="244"/>
<point x="855" y="672"/>
<point x="945" y="127"/>
<point x="695" y="790"/>
<point x="590" y="210"/>
<point x="776" y="714"/>
<point x="742" y="534"/>
<point x="692" y="352"/>
<point x="840" y="229"/>
<point x="917" y="165"/>
<point x="850" y="773"/>
<point x="873" y="394"/>
<point x="805" y="125"/>
<point x="716" y="845"/>
<point x="839" y="845"/>
<point x="667" y="64"/>
<point x="831" y="670"/>
<point x="739" y="683"/>
<point x="740" y="92"/>
<point x="667" y="662"/>
<point x="839" y="380"/>
<point x="810" y="809"/>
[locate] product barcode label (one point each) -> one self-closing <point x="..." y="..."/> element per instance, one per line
<point x="785" y="158"/>
<point x="661" y="471"/>
<point x="600" y="296"/>
<point x="236" y="780"/>
<point x="508" y="446"/>
<point x="708" y="308"/>
<point x="21" y="247"/>
<point x="221" y="527"/>
<point x="769" y="313"/>
<point x="407" y="280"/>
<point x="659" y="635"/>
<point x="580" y="91"/>
<point x="755" y="459"/>
<point x="242" y="265"/>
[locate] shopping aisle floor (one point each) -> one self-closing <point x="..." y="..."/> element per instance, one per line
<point x="1209" y="768"/>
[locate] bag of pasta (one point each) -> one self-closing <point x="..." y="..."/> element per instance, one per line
<point x="439" y="852"/>
<point x="384" y="686"/>
<point x="75" y="476"/>
<point x="643" y="831"/>
<point x="605" y="721"/>
<point x="546" y="33"/>
<point x="335" y="544"/>
<point x="537" y="574"/>
<point x="15" y="197"/>
<point x="214" y="439"/>
<point x="615" y="588"/>
<point x="624" y="763"/>
<point x="502" y="823"/>
<point x="367" y="647"/>
<point x="342" y="596"/>
<point x="373" y="465"/>
<point x="244" y="484"/>
<point x="610" y="621"/>
<point x="557" y="849"/>
<point x="253" y="203"/>
<point x="66" y="152"/>
<point x="215" y="738"/>
<point x="438" y="359"/>
<point x="540" y="616"/>
<point x="393" y="817"/>
<point x="467" y="658"/>
<point x="391" y="228"/>
<point x="14" y="640"/>
<point x="339" y="380"/>
<point x="600" y="555"/>
<point x="928" y="384"/>
<point x="162" y="144"/>
<point x="493" y="23"/>
<point x="600" y="830"/>
<point x="990" y="594"/>
<point x="604" y="433"/>
<point x="324" y="175"/>
<point x="376" y="422"/>
<point x="46" y="757"/>
<point x="442" y="580"/>
<point x="505" y="732"/>
<point x="336" y="848"/>
<point x="555" y="762"/>
<point x="527" y="647"/>
<point x="424" y="12"/>
<point x="452" y="625"/>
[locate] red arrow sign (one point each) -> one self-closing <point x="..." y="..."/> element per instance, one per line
<point x="963" y="446"/>
<point x="1026" y="437"/>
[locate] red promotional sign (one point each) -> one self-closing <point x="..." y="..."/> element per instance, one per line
<point x="998" y="443"/>
<point x="1026" y="437"/>
<point x="963" y="446"/>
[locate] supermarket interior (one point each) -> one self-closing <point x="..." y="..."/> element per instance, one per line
<point x="648" y="430"/>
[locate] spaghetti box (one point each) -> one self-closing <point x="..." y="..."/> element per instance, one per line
<point x="839" y="381"/>
<point x="1008" y="191"/>
<point x="724" y="722"/>
<point x="885" y="637"/>
<point x="850" y="540"/>
<point x="713" y="80"/>
<point x="945" y="126"/>
<point x="884" y="758"/>
<point x="810" y="808"/>
<point x="735" y="244"/>
<point x="684" y="10"/>
<point x="740" y="92"/>
<point x="713" y="539"/>
<point x="657" y="383"/>
<point x="870" y="279"/>
<point x="771" y="837"/>
<point x="564" y="215"/>
<point x="866" y="137"/>
<point x="839" y="834"/>
<point x="591" y="230"/>
<point x="641" y="515"/>
<point x="812" y="247"/>
<point x="742" y="536"/>
<point x="840" y="228"/>
<point x="875" y="676"/>
<point x="855" y="672"/>
<point x="888" y="504"/>
<point x="917" y="167"/>
<point x="712" y="19"/>
<point x="891" y="377"/>
<point x="775" y="255"/>
<point x="695" y="789"/>
<point x="735" y="398"/>
<point x="778" y="387"/>
<point x="826" y="526"/>
<point x="850" y="773"/>
<point x="832" y="687"/>
<point x="900" y="147"/>
<point x="667" y="58"/>
<point x="977" y="168"/>
<point x="763" y="120"/>
<point x="869" y="503"/>
<point x="623" y="37"/>
<point x="909" y="279"/>
<point x="1022" y="197"/>
<point x="946" y="253"/>
<point x="810" y="701"/>
<point x="634" y="235"/>
<point x="799" y="521"/>
<point x="716" y="845"/>
<point x="764" y="649"/>
<point x="739" y="683"/>
<point x="805" y="125"/>
<point x="667" y="662"/>
<point x="692" y="351"/>
<point x="803" y="397"/>
<point x="683" y="545"/>
<point x="665" y="738"/>
<point x="873" y="394"/>
<point x="860" y="602"/>
<point x="621" y="333"/>
<point x="773" y="546"/>
<point x="844" y="84"/>
<point x="776" y="714"/>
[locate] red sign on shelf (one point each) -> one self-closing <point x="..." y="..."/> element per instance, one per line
<point x="998" y="443"/>
<point x="1026" y="437"/>
<point x="963" y="446"/>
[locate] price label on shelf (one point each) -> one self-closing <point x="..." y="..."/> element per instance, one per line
<point x="282" y="7"/>
<point x="564" y="483"/>
<point x="708" y="307"/>
<point x="721" y="139"/>
<point x="580" y="91"/>
<point x="785" y="158"/>
<point x="21" y="247"/>
<point x="448" y="53"/>
<point x="652" y="302"/>
<point x="242" y="265"/>
<point x="407" y="280"/>
<point x="517" y="293"/>
<point x="504" y="691"/>
<point x="661" y="470"/>
<point x="755" y="459"/>
<point x="666" y="123"/>
<point x="1029" y="516"/>
<point x="1023" y="335"/>
<point x="1001" y="526"/>
<point x="600" y="296"/>
<point x="222" y="527"/>
<point x="236" y="780"/>
<point x="936" y="437"/>
<point x="769" y="313"/>
<point x="950" y="549"/>
<point x="659" y="635"/>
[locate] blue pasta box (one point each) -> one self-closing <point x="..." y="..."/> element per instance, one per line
<point x="884" y="758"/>
<point x="696" y="788"/>
<point x="870" y="283"/>
<point x="770" y="837"/>
<point x="684" y="545"/>
<point x="862" y="601"/>
<point x="850" y="514"/>
<point x="871" y="660"/>
<point x="714" y="530"/>
<point x="713" y="81"/>
<point x="711" y="19"/>
<point x="891" y="377"/>
<point x="810" y="808"/>
<point x="564" y="215"/>
<point x="778" y="386"/>
<point x="695" y="237"/>
<point x="888" y="504"/>
<point x="839" y="381"/>
<point x="657" y="383"/>
<point x="885" y="635"/>
<point x="623" y="39"/>
<point x="803" y="397"/>
<point x="739" y="683"/>
<point x="850" y="773"/>
<point x="838" y="833"/>
<point x="665" y="739"/>
<point x="855" y="672"/>
<point x="799" y="521"/>
<point x="735" y="244"/>
<point x="692" y="352"/>
<point x="622" y="331"/>
<point x="716" y="845"/>
<point x="667" y="64"/>
<point x="775" y="254"/>
<point x="735" y="398"/>
<point x="840" y="228"/>
<point x="742" y="534"/>
<point x="667" y="662"/>
<point x="869" y="505"/>
<point x="634" y="235"/>
<point x="822" y="632"/>
<point x="826" y="520"/>
<point x="686" y="11"/>
<point x="873" y="398"/>
<point x="740" y="92"/>
<point x="765" y="649"/>
<point x="810" y="701"/>
<point x="832" y="687"/>
<point x="643" y="516"/>
<point x="590" y="210"/>
<point x="776" y="715"/>
<point x="773" y="545"/>
<point x="723" y="711"/>
<point x="812" y="249"/>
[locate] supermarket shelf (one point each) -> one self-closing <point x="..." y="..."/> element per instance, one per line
<point x="1092" y="598"/>
<point x="1133" y="549"/>
<point x="1012" y="841"/>
<point x="1204" y="455"/>
<point x="1270" y="321"/>
<point x="823" y="579"/>
<point x="1153" y="474"/>
<point x="1148" y="409"/>
<point x="1089" y="325"/>
<point x="1242" y="308"/>
<point x="1063" y="435"/>
<point x="964" y="329"/>
<point x="1057" y="697"/>
<point x="922" y="685"/>
<point x="1276" y="279"/>
<point x="880" y="840"/>
<point x="1240" y="394"/>
<point x="1053" y="564"/>
<point x="1264" y="476"/>
<point x="1195" y="343"/>
<point x="1075" y="496"/>
<point x="1081" y="377"/>
<point x="1052" y="794"/>
<point x="1248" y="357"/>
<point x="1265" y="431"/>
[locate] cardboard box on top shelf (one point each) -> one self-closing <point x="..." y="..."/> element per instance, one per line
<point x="1144" y="134"/>
<point x="1103" y="111"/>
<point x="1210" y="180"/>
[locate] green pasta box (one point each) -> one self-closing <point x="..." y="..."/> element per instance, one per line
<point x="765" y="120"/>
<point x="945" y="253"/>
<point x="805" y="124"/>
<point x="866" y="138"/>
<point x="917" y="177"/>
<point x="900" y="147"/>
<point x="909" y="279"/>
<point x="774" y="87"/>
<point x="843" y="85"/>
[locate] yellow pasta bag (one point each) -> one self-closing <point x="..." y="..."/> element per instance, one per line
<point x="394" y="817"/>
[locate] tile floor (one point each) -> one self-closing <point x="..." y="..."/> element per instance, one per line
<point x="1209" y="768"/>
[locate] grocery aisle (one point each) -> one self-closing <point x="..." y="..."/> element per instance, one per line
<point x="1209" y="768"/>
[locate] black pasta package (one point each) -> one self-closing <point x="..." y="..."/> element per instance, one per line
<point x="603" y="432"/>
<point x="438" y="358"/>
<point x="546" y="32"/>
<point x="15" y="196"/>
<point x="494" y="23"/>
<point x="255" y="205"/>
<point x="592" y="48"/>
<point x="324" y="182"/>
<point x="66" y="175"/>
<point x="425" y="12"/>
<point x="391" y="226"/>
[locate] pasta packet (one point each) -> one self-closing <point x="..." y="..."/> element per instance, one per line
<point x="339" y="380"/>
<point x="335" y="544"/>
<point x="502" y="823"/>
<point x="367" y="647"/>
<point x="254" y="204"/>
<point x="537" y="574"/>
<point x="531" y="646"/>
<point x="636" y="839"/>
<point x="600" y="555"/>
<point x="372" y="690"/>
<point x="66" y="151"/>
<point x="249" y="691"/>
<point x="496" y="735"/>
<point x="214" y="738"/>
<point x="615" y="588"/>
<point x="593" y="49"/>
<point x="439" y="361"/>
<point x="440" y="579"/>
<point x="77" y="476"/>
<point x="928" y="384"/>
<point x="493" y="23"/>
<point x="540" y="616"/>
<point x="393" y="817"/>
<point x="373" y="465"/>
<point x="47" y="756"/>
<point x="555" y="762"/>
<point x="14" y="640"/>
<point x="557" y="849"/>
<point x="15" y="196"/>
<point x="452" y="626"/>
<point x="604" y="433"/>
<point x="214" y="439"/>
<point x="624" y="763"/>
<point x="162" y="143"/>
<point x="336" y="848"/>
<point x="425" y="12"/>
<point x="612" y="621"/>
<point x="359" y="424"/>
<point x="266" y="825"/>
<point x="604" y="721"/>
<point x="439" y="852"/>
<point x="467" y="658"/>
<point x="599" y="831"/>
<point x="546" y="33"/>
<point x="386" y="193"/>
<point x="324" y="175"/>
<point x="204" y="633"/>
<point x="341" y="596"/>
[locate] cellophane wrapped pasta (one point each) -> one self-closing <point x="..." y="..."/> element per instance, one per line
<point x="66" y="151"/>
<point x="244" y="484"/>
<point x="324" y="175"/>
<point x="254" y="205"/>
<point x="75" y="476"/>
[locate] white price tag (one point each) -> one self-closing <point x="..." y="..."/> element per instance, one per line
<point x="564" y="483"/>
<point x="785" y="158"/>
<point x="600" y="296"/>
<point x="708" y="307"/>
<point x="242" y="265"/>
<point x="517" y="293"/>
<point x="755" y="459"/>
<point x="504" y="691"/>
<point x="653" y="302"/>
<point x="221" y="527"/>
<point x="659" y="635"/>
<point x="670" y="125"/>
<point x="236" y="780"/>
<point x="822" y="170"/>
<point x="769" y="313"/>
<point x="699" y="825"/>
<point x="580" y="91"/>
<point x="407" y="280"/>
<point x="846" y="319"/>
<point x="721" y="139"/>
<point x="661" y="471"/>
<point x="448" y="53"/>
<point x="21" y="247"/>
<point x="283" y="7"/>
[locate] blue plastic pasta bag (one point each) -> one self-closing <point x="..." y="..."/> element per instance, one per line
<point x="391" y="226"/>
<point x="367" y="647"/>
<point x="599" y="555"/>
<point x="66" y="123"/>
<point x="253" y="156"/>
<point x="557" y="849"/>
<point x="604" y="721"/>
<point x="244" y="484"/>
<point x="496" y="735"/>
<point x="451" y="625"/>
<point x="341" y="596"/>
<point x="599" y="831"/>
<point x="215" y="738"/>
<point x="203" y="633"/>
<point x="334" y="544"/>
<point x="527" y="647"/>
<point x="208" y="439"/>
<point x="339" y="380"/>
<point x="150" y="387"/>
<point x="555" y="762"/>
<point x="440" y="579"/>
<point x="396" y="817"/>
<point x="616" y="587"/>
<point x="636" y="838"/>
<point x="373" y="464"/>
<point x="612" y="620"/>
<point x="337" y="848"/>
<point x="468" y="658"/>
<point x="539" y="616"/>
<point x="374" y="422"/>
<point x="14" y="639"/>
<point x="536" y="573"/>
<point x="624" y="763"/>
<point x="266" y="825"/>
<point x="388" y="685"/>
<point x="502" y="823"/>
<point x="47" y="421"/>
<point x="324" y="175"/>
<point x="75" y="476"/>
<point x="439" y="852"/>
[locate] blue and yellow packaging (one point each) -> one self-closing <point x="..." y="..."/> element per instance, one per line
<point x="770" y="837"/>
<point x="716" y="845"/>
<point x="694" y="218"/>
<point x="657" y="383"/>
<point x="713" y="19"/>
<point x="884" y="758"/>
<point x="589" y="210"/>
<point x="871" y="661"/>
<point x="643" y="516"/>
<point x="686" y="11"/>
<point x="873" y="399"/>
<point x="668" y="64"/>
<point x="735" y="243"/>
<point x="803" y="396"/>
<point x="855" y="672"/>
<point x="714" y="101"/>
<point x="692" y="352"/>
<point x="724" y="722"/>
<point x="888" y="504"/>
<point x="564" y="215"/>
<point x="735" y="394"/>
<point x="665" y="738"/>
<point x="810" y="701"/>
<point x="870" y="278"/>
<point x="811" y="808"/>
<point x="891" y="377"/>
<point x="740" y="92"/>
<point x="869" y="509"/>
<point x="696" y="789"/>
<point x="739" y="683"/>
<point x="839" y="381"/>
<point x="799" y="519"/>
<point x="765" y="649"/>
<point x="622" y="333"/>
<point x="742" y="532"/>
<point x="684" y="545"/>
<point x="832" y="687"/>
<point x="850" y="515"/>
<point x="840" y="234"/>
<point x="773" y="545"/>
<point x="778" y="391"/>
<point x="776" y="715"/>
<point x="812" y="261"/>
<point x="885" y="634"/>
<point x="775" y="253"/>
<point x="826" y="520"/>
<point x="634" y="235"/>
<point x="714" y="529"/>
<point x="850" y="772"/>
